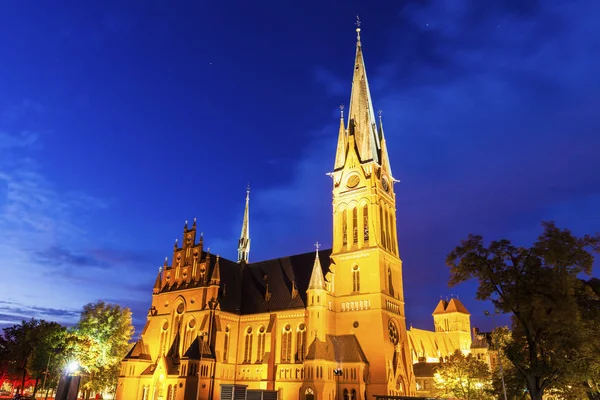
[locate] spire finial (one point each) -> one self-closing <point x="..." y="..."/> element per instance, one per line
<point x="248" y="190"/>
<point x="159" y="269"/>
<point x="379" y="114"/>
<point x="317" y="245"/>
<point x="342" y="111"/>
<point x="357" y="23"/>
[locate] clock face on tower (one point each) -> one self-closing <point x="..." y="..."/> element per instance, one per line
<point x="352" y="181"/>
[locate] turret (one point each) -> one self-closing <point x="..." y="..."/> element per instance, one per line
<point x="316" y="298"/>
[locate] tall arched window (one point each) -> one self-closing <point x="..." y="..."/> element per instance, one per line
<point x="366" y="223"/>
<point x="163" y="338"/>
<point x="346" y="395"/>
<point x="382" y="224"/>
<point x="353" y="394"/>
<point x="354" y="225"/>
<point x="387" y="230"/>
<point x="390" y="282"/>
<point x="355" y="279"/>
<point x="260" y="351"/>
<point x="189" y="335"/>
<point x="286" y="344"/>
<point x="301" y="342"/>
<point x="392" y="233"/>
<point x="226" y="345"/>
<point x="170" y="393"/>
<point x="248" y="346"/>
<point x="344" y="228"/>
<point x="145" y="393"/>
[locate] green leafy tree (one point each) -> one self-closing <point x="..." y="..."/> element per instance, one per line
<point x="539" y="287"/>
<point x="463" y="377"/>
<point x="103" y="335"/>
<point x="29" y="349"/>
<point x="516" y="387"/>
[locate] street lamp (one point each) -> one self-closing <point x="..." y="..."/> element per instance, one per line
<point x="487" y="314"/>
<point x="338" y="372"/>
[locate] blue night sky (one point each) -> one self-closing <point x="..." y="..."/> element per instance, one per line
<point x="121" y="120"/>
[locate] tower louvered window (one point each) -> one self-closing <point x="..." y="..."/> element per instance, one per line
<point x="366" y="223"/>
<point x="286" y="344"/>
<point x="354" y="225"/>
<point x="344" y="228"/>
<point x="356" y="279"/>
<point x="248" y="346"/>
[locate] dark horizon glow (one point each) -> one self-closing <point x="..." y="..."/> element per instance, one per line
<point x="120" y="122"/>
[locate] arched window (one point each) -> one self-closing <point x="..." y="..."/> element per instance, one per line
<point x="260" y="351"/>
<point x="346" y="396"/>
<point x="189" y="335"/>
<point x="353" y="394"/>
<point x="309" y="394"/>
<point x="366" y="223"/>
<point x="382" y="225"/>
<point x="286" y="344"/>
<point x="163" y="338"/>
<point x="248" y="346"/>
<point x="170" y="393"/>
<point x="301" y="342"/>
<point x="145" y="393"/>
<point x="392" y="232"/>
<point x="225" y="345"/>
<point x="354" y="225"/>
<point x="355" y="279"/>
<point x="344" y="228"/>
<point x="390" y="282"/>
<point x="387" y="229"/>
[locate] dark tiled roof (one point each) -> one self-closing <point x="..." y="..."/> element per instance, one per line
<point x="139" y="351"/>
<point x="342" y="348"/>
<point x="243" y="289"/>
<point x="425" y="370"/>
<point x="279" y="274"/>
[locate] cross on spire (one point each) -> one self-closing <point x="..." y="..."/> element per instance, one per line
<point x="317" y="245"/>
<point x="357" y="23"/>
<point x="342" y="110"/>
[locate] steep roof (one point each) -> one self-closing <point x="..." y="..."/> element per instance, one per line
<point x="139" y="351"/>
<point x="452" y="306"/>
<point x="341" y="348"/>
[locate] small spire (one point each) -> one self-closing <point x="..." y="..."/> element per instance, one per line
<point x="215" y="278"/>
<point x="194" y="224"/>
<point x="342" y="144"/>
<point x="185" y="226"/>
<point x="158" y="282"/>
<point x="166" y="263"/>
<point x="175" y="245"/>
<point x="317" y="281"/>
<point x="244" y="242"/>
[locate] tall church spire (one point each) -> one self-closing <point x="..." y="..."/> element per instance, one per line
<point x="317" y="281"/>
<point x="244" y="242"/>
<point x="361" y="118"/>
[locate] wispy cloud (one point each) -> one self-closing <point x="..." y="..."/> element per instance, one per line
<point x="46" y="254"/>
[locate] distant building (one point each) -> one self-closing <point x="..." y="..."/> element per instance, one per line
<point x="323" y="325"/>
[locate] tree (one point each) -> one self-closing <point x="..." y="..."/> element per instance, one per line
<point x="27" y="349"/>
<point x="103" y="332"/>
<point x="463" y="377"/>
<point x="539" y="287"/>
<point x="516" y="387"/>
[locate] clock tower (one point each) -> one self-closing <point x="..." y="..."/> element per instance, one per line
<point x="366" y="271"/>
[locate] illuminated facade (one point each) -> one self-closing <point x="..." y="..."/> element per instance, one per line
<point x="289" y="324"/>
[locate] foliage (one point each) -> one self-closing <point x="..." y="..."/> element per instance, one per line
<point x="31" y="348"/>
<point x="463" y="377"/>
<point x="516" y="387"/>
<point x="103" y="334"/>
<point x="552" y="341"/>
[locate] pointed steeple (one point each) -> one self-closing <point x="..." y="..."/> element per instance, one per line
<point x="385" y="161"/>
<point x="342" y="145"/>
<point x="158" y="282"/>
<point x="361" y="118"/>
<point x="215" y="278"/>
<point x="244" y="242"/>
<point x="317" y="281"/>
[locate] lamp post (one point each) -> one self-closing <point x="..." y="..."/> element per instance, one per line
<point x="338" y="372"/>
<point x="488" y="314"/>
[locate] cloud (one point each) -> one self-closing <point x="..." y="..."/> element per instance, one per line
<point x="14" y="312"/>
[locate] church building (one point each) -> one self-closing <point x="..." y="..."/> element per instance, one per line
<point x="327" y="325"/>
